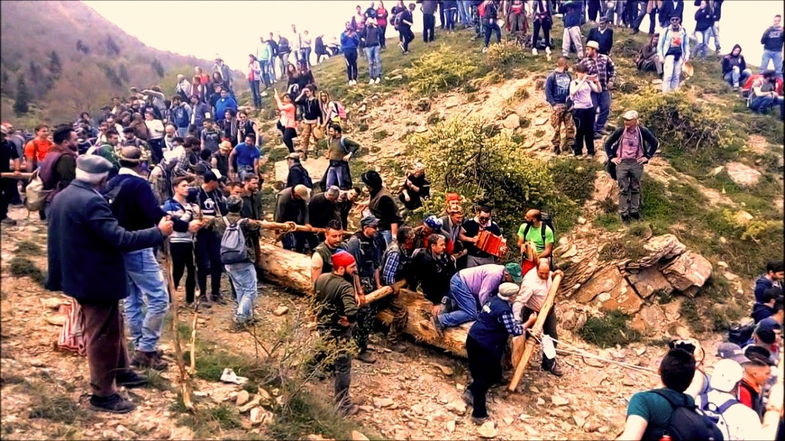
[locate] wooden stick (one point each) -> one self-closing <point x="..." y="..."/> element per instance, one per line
<point x="384" y="291"/>
<point x="12" y="175"/>
<point x="178" y="351"/>
<point x="192" y="368"/>
<point x="528" y="349"/>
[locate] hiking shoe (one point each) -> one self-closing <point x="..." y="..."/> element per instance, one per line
<point x="349" y="410"/>
<point x="204" y="302"/>
<point x="366" y="357"/>
<point x="635" y="216"/>
<point x="150" y="360"/>
<point x="556" y="370"/>
<point x="468" y="397"/>
<point x="625" y="219"/>
<point x="479" y="420"/>
<point x="398" y="347"/>
<point x="219" y="300"/>
<point x="378" y="80"/>
<point x="113" y="403"/>
<point x="130" y="379"/>
<point x="437" y="324"/>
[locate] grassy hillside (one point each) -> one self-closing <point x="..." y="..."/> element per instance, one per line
<point x="72" y="59"/>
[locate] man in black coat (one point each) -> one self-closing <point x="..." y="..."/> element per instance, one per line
<point x="297" y="173"/>
<point x="86" y="246"/>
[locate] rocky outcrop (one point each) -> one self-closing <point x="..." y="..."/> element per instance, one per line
<point x="688" y="270"/>
<point x="742" y="175"/>
<point x="636" y="287"/>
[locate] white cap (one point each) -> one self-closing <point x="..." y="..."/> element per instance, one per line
<point x="727" y="373"/>
<point x="630" y="114"/>
<point x="507" y="290"/>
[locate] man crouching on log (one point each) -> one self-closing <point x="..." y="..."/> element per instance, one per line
<point x="336" y="309"/>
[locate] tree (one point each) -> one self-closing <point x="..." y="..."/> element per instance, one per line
<point x="55" y="66"/>
<point x="22" y="103"/>
<point x="124" y="73"/>
<point x="158" y="67"/>
<point x="111" y="47"/>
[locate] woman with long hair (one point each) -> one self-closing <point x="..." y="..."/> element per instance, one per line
<point x="287" y="123"/>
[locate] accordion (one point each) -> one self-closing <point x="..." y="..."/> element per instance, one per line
<point x="491" y="243"/>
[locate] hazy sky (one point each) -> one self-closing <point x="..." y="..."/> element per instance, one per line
<point x="232" y="28"/>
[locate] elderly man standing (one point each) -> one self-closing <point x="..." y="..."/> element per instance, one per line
<point x="531" y="297"/>
<point x="292" y="206"/>
<point x="628" y="149"/>
<point x="84" y="240"/>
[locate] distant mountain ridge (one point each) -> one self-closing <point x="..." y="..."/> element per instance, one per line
<point x="72" y="59"/>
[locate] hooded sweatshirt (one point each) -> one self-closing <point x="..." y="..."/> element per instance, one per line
<point x="729" y="61"/>
<point x="773" y="39"/>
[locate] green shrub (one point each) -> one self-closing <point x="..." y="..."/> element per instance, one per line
<point x="507" y="53"/>
<point x="686" y="128"/>
<point x="609" y="330"/>
<point x="439" y="70"/>
<point x="486" y="167"/>
<point x="574" y="178"/>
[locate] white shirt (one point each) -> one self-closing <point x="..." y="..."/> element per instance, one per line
<point x="532" y="293"/>
<point x="739" y="422"/>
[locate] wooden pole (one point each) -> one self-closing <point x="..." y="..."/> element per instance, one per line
<point x="12" y="175"/>
<point x="384" y="291"/>
<point x="185" y="384"/>
<point x="530" y="344"/>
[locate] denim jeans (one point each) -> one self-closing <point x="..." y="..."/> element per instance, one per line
<point x="465" y="12"/>
<point x="146" y="289"/>
<point x="602" y="102"/>
<point x="715" y="32"/>
<point x="374" y="62"/>
<point x="762" y="104"/>
<point x="257" y="99"/>
<point x="702" y="45"/>
<point x="671" y="73"/>
<point x="775" y="57"/>
<point x="736" y="77"/>
<point x="464" y="300"/>
<point x="243" y="276"/>
<point x="489" y="28"/>
<point x="428" y="27"/>
<point x="338" y="174"/>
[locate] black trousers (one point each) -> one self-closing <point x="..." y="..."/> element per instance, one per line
<point x="549" y="327"/>
<point x="545" y="25"/>
<point x="351" y="63"/>
<point x="208" y="261"/>
<point x="485" y="367"/>
<point x="182" y="260"/>
<point x="288" y="134"/>
<point x="593" y="8"/>
<point x="406" y="36"/>
<point x="584" y="130"/>
<point x="428" y="27"/>
<point x="7" y="189"/>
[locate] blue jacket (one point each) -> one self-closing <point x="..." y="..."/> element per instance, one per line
<point x="489" y="330"/>
<point x="180" y="115"/>
<point x="572" y="14"/>
<point x="557" y="87"/>
<point x="349" y="43"/>
<point x="668" y="35"/>
<point x="222" y="104"/>
<point x="86" y="246"/>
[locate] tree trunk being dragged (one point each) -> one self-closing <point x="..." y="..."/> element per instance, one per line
<point x="286" y="268"/>
<point x="293" y="270"/>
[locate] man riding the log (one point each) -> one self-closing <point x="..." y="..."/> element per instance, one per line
<point x="535" y="240"/>
<point x="321" y="260"/>
<point x="534" y="290"/>
<point x="336" y="309"/>
<point x="471" y="288"/>
<point x="432" y="269"/>
<point x="470" y="233"/>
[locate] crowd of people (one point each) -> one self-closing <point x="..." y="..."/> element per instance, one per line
<point x="181" y="175"/>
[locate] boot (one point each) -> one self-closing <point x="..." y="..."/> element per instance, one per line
<point x="113" y="403"/>
<point x="366" y="357"/>
<point x="130" y="379"/>
<point x="150" y="360"/>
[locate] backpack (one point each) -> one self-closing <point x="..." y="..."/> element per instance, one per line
<point x="35" y="194"/>
<point x="547" y="221"/>
<point x="740" y="333"/>
<point x="715" y="413"/>
<point x="233" y="248"/>
<point x="340" y="110"/>
<point x="687" y="423"/>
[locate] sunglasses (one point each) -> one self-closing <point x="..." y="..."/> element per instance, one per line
<point x="484" y="219"/>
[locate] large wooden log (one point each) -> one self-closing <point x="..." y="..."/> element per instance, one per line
<point x="293" y="270"/>
<point x="528" y="349"/>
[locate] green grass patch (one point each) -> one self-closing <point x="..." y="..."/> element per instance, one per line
<point x="207" y="422"/>
<point x="57" y="408"/>
<point x="27" y="248"/>
<point x="308" y="413"/>
<point x="609" y="330"/>
<point x="23" y="267"/>
<point x="690" y="315"/>
<point x="380" y="135"/>
<point x="572" y="177"/>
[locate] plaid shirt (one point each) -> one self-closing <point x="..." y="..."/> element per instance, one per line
<point x="390" y="267"/>
<point x="512" y="326"/>
<point x="602" y="66"/>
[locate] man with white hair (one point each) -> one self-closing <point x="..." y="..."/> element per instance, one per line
<point x="629" y="148"/>
<point x="86" y="240"/>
